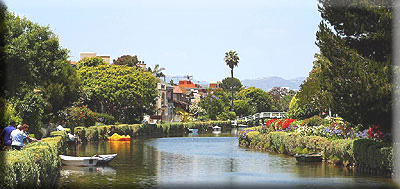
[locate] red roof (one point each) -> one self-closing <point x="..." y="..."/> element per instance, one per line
<point x="186" y="84"/>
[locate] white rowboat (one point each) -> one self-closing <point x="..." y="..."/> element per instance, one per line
<point x="79" y="161"/>
<point x="87" y="161"/>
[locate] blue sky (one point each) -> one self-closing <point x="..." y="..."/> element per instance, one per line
<point x="272" y="37"/>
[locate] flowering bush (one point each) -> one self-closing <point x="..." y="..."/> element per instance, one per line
<point x="279" y="124"/>
<point x="246" y="131"/>
<point x="331" y="128"/>
<point x="79" y="116"/>
<point x="375" y="132"/>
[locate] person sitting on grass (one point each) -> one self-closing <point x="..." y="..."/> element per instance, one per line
<point x="6" y="134"/>
<point x="18" y="136"/>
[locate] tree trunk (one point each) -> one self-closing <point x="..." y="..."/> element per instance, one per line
<point x="232" y="89"/>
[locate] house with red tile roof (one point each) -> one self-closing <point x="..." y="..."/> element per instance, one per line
<point x="179" y="97"/>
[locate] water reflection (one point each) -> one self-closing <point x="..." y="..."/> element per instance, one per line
<point x="202" y="159"/>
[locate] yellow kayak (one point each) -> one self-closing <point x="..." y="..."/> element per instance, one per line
<point x="117" y="137"/>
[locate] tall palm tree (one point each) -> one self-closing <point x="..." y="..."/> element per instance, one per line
<point x="231" y="59"/>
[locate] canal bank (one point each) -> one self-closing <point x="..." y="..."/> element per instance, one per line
<point x="364" y="155"/>
<point x="96" y="133"/>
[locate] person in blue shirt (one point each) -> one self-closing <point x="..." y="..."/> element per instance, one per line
<point x="6" y="134"/>
<point x="18" y="136"/>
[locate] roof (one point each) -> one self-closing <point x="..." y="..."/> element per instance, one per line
<point x="179" y="90"/>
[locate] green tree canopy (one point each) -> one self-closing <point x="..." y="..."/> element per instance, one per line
<point x="312" y="98"/>
<point x="126" y="60"/>
<point x="355" y="39"/>
<point x="259" y="100"/>
<point x="243" y="108"/>
<point x="35" y="61"/>
<point x="215" y="103"/>
<point x="228" y="82"/>
<point x="281" y="97"/>
<point x="295" y="110"/>
<point x="91" y="61"/>
<point x="127" y="93"/>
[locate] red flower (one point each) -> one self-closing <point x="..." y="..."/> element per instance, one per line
<point x="370" y="132"/>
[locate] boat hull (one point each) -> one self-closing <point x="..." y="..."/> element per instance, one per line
<point x="79" y="161"/>
<point x="309" y="158"/>
<point x="119" y="139"/>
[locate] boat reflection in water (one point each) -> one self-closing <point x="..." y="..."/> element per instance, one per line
<point x="98" y="170"/>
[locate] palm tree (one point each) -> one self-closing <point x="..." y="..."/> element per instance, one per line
<point x="157" y="71"/>
<point x="231" y="59"/>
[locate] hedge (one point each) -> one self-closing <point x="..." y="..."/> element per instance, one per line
<point x="95" y="133"/>
<point x="367" y="154"/>
<point x="35" y="166"/>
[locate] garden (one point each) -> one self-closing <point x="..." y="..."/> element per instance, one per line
<point x="368" y="150"/>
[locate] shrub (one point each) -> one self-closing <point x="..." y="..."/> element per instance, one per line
<point x="373" y="154"/>
<point x="104" y="118"/>
<point x="35" y="166"/>
<point x="315" y="121"/>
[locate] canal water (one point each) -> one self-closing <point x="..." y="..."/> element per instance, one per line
<point x="204" y="160"/>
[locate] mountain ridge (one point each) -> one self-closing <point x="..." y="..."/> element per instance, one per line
<point x="264" y="83"/>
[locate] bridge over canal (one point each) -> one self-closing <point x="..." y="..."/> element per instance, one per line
<point x="259" y="116"/>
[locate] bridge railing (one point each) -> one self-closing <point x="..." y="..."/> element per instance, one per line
<point x="262" y="115"/>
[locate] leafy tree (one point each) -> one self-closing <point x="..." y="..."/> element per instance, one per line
<point x="226" y="116"/>
<point x="4" y="117"/>
<point x="196" y="109"/>
<point x="215" y="103"/>
<point x="232" y="60"/>
<point x="313" y="99"/>
<point x="127" y="93"/>
<point x="8" y="114"/>
<point x="355" y="42"/>
<point x="243" y="108"/>
<point x="4" y="30"/>
<point x="91" y="61"/>
<point x="259" y="100"/>
<point x="228" y="82"/>
<point x="126" y="60"/>
<point x="31" y="109"/>
<point x="285" y="101"/>
<point x="295" y="111"/>
<point x="35" y="61"/>
<point x="277" y="93"/>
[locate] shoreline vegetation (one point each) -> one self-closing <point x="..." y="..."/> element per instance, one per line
<point x="364" y="155"/>
<point x="37" y="164"/>
<point x="95" y="133"/>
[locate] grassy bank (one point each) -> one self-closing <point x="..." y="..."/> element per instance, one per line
<point x="364" y="154"/>
<point x="95" y="133"/>
<point x="35" y="166"/>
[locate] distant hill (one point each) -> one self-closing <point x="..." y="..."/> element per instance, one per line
<point x="267" y="83"/>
